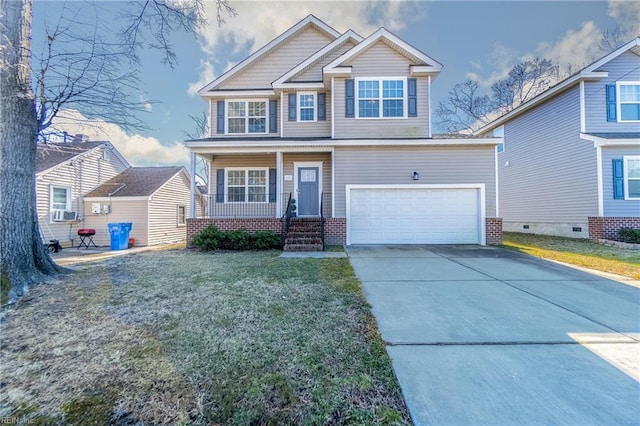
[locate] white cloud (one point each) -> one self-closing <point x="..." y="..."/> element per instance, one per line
<point x="259" y="22"/>
<point x="627" y="13"/>
<point x="207" y="75"/>
<point x="137" y="149"/>
<point x="576" y="49"/>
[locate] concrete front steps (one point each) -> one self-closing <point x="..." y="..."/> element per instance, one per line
<point x="305" y="234"/>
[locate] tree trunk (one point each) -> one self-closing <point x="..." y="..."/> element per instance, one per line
<point x="24" y="260"/>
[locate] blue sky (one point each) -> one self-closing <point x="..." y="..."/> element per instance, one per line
<point x="481" y="40"/>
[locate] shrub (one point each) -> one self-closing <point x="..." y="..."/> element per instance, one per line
<point x="211" y="238"/>
<point x="629" y="235"/>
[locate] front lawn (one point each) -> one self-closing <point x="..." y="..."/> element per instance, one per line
<point x="578" y="252"/>
<point x="184" y="337"/>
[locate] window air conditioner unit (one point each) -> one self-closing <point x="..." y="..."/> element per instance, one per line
<point x="64" y="216"/>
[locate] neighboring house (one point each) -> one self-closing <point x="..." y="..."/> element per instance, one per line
<point x="156" y="200"/>
<point x="342" y="124"/>
<point x="571" y="159"/>
<point x="64" y="173"/>
<point x="88" y="184"/>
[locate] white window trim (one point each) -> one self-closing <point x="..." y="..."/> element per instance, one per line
<point x="619" y="100"/>
<point x="246" y="117"/>
<point x="68" y="202"/>
<point x="405" y="98"/>
<point x="246" y="185"/>
<point x="625" y="162"/>
<point x="184" y="222"/>
<point x="299" y="107"/>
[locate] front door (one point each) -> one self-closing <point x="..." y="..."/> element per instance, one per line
<point x="308" y="191"/>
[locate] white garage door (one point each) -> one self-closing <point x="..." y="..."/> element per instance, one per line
<point x="414" y="215"/>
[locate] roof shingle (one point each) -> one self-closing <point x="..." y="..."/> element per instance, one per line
<point x="135" y="182"/>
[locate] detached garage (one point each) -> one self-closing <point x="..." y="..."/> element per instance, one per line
<point x="415" y="214"/>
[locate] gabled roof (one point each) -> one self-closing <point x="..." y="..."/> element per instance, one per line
<point x="316" y="57"/>
<point x="136" y="182"/>
<point x="52" y="155"/>
<point x="590" y="72"/>
<point x="309" y="20"/>
<point x="426" y="64"/>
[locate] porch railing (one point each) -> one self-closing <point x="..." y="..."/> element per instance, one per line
<point x="223" y="206"/>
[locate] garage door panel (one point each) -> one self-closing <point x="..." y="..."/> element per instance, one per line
<point x="414" y="216"/>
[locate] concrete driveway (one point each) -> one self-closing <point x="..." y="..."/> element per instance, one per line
<point x="482" y="335"/>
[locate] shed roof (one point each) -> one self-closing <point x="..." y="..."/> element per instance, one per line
<point x="135" y="182"/>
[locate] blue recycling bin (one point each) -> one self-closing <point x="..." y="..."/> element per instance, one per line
<point x="119" y="233"/>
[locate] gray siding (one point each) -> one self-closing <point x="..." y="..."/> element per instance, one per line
<point x="317" y="129"/>
<point x="314" y="72"/>
<point x="616" y="207"/>
<point x="273" y="65"/>
<point x="163" y="211"/>
<point x="394" y="165"/>
<point x="81" y="177"/>
<point x="380" y="60"/>
<point x="551" y="176"/>
<point x="625" y="67"/>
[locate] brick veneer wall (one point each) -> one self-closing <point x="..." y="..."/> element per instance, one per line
<point x="493" y="230"/>
<point x="335" y="231"/>
<point x="250" y="224"/>
<point x="606" y="228"/>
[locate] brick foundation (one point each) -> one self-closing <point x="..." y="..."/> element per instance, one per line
<point x="493" y="230"/>
<point x="606" y="228"/>
<point x="250" y="224"/>
<point x="335" y="231"/>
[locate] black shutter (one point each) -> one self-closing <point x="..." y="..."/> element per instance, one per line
<point x="292" y="107"/>
<point x="220" y="116"/>
<point x="322" y="106"/>
<point x="272" y="185"/>
<point x="220" y="186"/>
<point x="349" y="98"/>
<point x="412" y="97"/>
<point x="273" y="116"/>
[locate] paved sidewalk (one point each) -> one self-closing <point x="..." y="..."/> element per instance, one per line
<point x="482" y="335"/>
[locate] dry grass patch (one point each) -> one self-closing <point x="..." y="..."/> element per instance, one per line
<point x="199" y="338"/>
<point x="578" y="252"/>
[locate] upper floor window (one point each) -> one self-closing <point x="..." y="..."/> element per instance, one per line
<point x="629" y="100"/>
<point x="381" y="98"/>
<point x="307" y="106"/>
<point x="247" y="117"/>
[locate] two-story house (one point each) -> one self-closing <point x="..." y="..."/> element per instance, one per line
<point x="342" y="125"/>
<point x="571" y="159"/>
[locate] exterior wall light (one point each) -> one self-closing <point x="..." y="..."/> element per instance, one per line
<point x="415" y="175"/>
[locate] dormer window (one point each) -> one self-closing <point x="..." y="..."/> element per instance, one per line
<point x="248" y="116"/>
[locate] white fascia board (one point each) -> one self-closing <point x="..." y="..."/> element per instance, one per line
<point x="299" y="86"/>
<point x="383" y="33"/>
<point x="349" y="35"/>
<point x="239" y="93"/>
<point x="114" y="197"/>
<point x="267" y="47"/>
<point x="598" y="141"/>
<point x="423" y="70"/>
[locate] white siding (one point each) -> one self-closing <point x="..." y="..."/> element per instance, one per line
<point x="380" y="60"/>
<point x="547" y="173"/>
<point x="81" y="175"/>
<point x="625" y="67"/>
<point x="394" y="165"/>
<point x="281" y="59"/>
<point x="163" y="211"/>
<point x="122" y="210"/>
<point x="616" y="207"/>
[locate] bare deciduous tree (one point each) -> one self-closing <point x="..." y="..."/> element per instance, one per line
<point x="65" y="78"/>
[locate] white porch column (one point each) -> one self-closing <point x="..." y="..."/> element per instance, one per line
<point x="192" y="213"/>
<point x="279" y="185"/>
